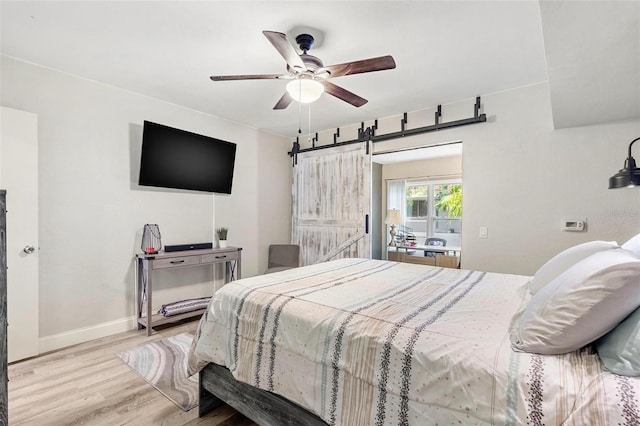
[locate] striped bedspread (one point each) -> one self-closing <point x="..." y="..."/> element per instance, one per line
<point x="369" y="342"/>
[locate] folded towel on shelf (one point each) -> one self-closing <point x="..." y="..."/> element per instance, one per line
<point x="183" y="306"/>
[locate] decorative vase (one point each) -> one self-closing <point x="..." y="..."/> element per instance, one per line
<point x="222" y="243"/>
<point x="151" y="239"/>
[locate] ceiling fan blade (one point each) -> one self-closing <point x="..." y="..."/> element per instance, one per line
<point x="286" y="50"/>
<point x="365" y="65"/>
<point x="343" y="94"/>
<point x="284" y="101"/>
<point x="248" y="77"/>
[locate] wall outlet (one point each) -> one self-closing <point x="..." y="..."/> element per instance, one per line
<point x="484" y="232"/>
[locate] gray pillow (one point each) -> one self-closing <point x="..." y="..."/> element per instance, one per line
<point x="619" y="349"/>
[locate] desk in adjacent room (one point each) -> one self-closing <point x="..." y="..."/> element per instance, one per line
<point x="450" y="257"/>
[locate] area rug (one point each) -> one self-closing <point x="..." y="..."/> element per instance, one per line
<point x="163" y="364"/>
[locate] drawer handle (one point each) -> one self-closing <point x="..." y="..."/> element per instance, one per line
<point x="221" y="257"/>
<point x="177" y="262"/>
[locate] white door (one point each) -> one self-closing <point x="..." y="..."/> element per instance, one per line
<point x="331" y="202"/>
<point x="19" y="176"/>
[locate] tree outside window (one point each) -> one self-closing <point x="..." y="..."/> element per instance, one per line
<point x="448" y="205"/>
<point x="448" y="200"/>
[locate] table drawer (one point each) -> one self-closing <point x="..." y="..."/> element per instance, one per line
<point x="219" y="257"/>
<point x="173" y="262"/>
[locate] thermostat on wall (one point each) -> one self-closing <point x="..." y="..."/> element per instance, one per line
<point x="575" y="225"/>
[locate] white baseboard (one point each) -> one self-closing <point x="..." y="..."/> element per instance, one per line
<point x="81" y="335"/>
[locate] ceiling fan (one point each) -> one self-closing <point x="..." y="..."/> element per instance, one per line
<point x="309" y="77"/>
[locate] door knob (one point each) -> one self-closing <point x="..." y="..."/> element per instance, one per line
<point x="29" y="249"/>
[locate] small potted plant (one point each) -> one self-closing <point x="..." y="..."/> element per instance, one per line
<point x="222" y="237"/>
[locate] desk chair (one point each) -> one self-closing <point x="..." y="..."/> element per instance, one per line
<point x="283" y="256"/>
<point x="439" y="242"/>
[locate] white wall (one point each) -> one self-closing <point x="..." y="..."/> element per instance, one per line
<point x="92" y="211"/>
<point x="535" y="174"/>
<point x="266" y="201"/>
<point x="274" y="191"/>
<point x="427" y="168"/>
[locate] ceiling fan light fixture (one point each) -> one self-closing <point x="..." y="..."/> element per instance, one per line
<point x="305" y="90"/>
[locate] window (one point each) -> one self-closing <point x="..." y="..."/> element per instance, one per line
<point x="416" y="198"/>
<point x="430" y="208"/>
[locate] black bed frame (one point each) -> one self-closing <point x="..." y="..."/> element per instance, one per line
<point x="218" y="386"/>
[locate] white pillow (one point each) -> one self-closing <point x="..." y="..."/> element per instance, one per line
<point x="580" y="305"/>
<point x="633" y="244"/>
<point x="566" y="259"/>
<point x="619" y="349"/>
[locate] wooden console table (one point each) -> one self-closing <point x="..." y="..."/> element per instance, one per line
<point x="147" y="263"/>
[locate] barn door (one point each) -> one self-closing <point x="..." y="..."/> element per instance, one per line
<point x="331" y="204"/>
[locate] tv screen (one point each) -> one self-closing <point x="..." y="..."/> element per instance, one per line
<point x="174" y="158"/>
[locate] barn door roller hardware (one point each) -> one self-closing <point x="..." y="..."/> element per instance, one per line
<point x="477" y="118"/>
<point x="295" y="149"/>
<point x="368" y="134"/>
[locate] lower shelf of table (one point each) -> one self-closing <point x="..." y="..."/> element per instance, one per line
<point x="159" y="319"/>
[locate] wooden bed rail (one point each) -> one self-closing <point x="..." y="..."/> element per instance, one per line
<point x="218" y="386"/>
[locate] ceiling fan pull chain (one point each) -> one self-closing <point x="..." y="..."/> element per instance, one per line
<point x="309" y="128"/>
<point x="299" y="118"/>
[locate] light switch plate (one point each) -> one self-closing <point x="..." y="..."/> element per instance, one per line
<point x="484" y="232"/>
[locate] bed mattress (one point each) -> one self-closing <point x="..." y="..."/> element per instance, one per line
<point x="370" y="342"/>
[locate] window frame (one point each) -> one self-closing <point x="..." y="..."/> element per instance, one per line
<point x="431" y="217"/>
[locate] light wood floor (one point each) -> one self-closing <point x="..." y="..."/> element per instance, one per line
<point x="88" y="384"/>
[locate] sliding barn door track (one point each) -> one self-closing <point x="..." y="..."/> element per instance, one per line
<point x="368" y="134"/>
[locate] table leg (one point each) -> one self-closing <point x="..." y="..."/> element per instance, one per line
<point x="148" y="292"/>
<point x="138" y="296"/>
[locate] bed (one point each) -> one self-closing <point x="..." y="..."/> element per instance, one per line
<point x="371" y="342"/>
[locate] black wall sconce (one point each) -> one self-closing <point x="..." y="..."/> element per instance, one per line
<point x="629" y="176"/>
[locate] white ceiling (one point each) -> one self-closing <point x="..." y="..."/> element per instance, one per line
<point x="445" y="51"/>
<point x="593" y="60"/>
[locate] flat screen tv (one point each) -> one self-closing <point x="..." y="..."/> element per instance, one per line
<point x="174" y="158"/>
